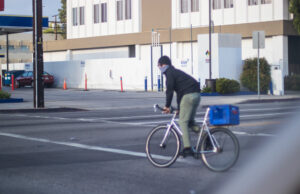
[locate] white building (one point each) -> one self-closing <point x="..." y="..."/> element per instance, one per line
<point x="114" y="29"/>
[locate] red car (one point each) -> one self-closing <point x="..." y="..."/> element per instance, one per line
<point x="26" y="79"/>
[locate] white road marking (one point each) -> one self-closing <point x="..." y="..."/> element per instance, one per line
<point x="88" y="147"/>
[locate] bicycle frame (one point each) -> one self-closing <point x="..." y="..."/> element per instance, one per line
<point x="204" y="127"/>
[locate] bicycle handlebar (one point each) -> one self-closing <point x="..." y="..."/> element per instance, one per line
<point x="156" y="106"/>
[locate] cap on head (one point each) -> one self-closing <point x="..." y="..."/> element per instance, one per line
<point x="164" y="60"/>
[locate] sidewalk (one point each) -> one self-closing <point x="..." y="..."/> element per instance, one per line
<point x="106" y="100"/>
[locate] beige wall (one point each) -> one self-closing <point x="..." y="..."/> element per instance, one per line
<point x="155" y="15"/>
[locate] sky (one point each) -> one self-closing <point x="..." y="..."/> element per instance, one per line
<point x="24" y="7"/>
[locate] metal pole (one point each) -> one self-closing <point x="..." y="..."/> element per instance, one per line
<point x="209" y="39"/>
<point x="192" y="50"/>
<point x="55" y="26"/>
<point x="162" y="76"/>
<point x="151" y="68"/>
<point x="7" y="56"/>
<point x="258" y="84"/>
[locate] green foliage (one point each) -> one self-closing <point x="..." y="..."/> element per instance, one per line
<point x="292" y="82"/>
<point x="294" y="8"/>
<point x="63" y="17"/>
<point x="4" y="95"/>
<point x="227" y="86"/>
<point x="206" y="90"/>
<point x="249" y="75"/>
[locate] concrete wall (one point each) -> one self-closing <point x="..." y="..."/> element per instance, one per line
<point x="101" y="74"/>
<point x="226" y="56"/>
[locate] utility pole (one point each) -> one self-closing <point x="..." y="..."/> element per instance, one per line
<point x="38" y="63"/>
<point x="55" y="26"/>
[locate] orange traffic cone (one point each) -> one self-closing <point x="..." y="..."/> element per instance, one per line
<point x="65" y="84"/>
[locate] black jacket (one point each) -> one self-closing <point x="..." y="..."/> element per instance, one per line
<point x="179" y="82"/>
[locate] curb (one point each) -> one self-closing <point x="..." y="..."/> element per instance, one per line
<point x="11" y="100"/>
<point x="44" y="110"/>
<point x="268" y="100"/>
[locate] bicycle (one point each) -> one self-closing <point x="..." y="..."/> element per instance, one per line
<point x="164" y="142"/>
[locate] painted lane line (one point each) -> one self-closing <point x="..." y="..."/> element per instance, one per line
<point x="88" y="147"/>
<point x="253" y="134"/>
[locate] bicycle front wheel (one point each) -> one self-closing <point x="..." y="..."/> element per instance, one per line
<point x="227" y="152"/>
<point x="162" y="154"/>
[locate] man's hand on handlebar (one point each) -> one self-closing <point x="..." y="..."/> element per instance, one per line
<point x="166" y="110"/>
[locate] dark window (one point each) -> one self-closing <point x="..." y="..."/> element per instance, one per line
<point x="184" y="6"/>
<point x="119" y="10"/>
<point x="81" y="15"/>
<point x="127" y="9"/>
<point x="228" y="3"/>
<point x="195" y="5"/>
<point x="132" y="51"/>
<point x="103" y="12"/>
<point x="252" y="2"/>
<point x="75" y="14"/>
<point x="96" y="13"/>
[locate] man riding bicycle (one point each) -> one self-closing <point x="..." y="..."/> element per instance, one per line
<point x="188" y="98"/>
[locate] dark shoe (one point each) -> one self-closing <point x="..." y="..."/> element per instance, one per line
<point x="187" y="152"/>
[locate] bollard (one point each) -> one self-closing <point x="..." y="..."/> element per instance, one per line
<point x="65" y="84"/>
<point x="0" y="82"/>
<point x="85" y="82"/>
<point x="12" y="82"/>
<point x="121" y="81"/>
<point x="146" y="84"/>
<point x="200" y="83"/>
<point x="158" y="83"/>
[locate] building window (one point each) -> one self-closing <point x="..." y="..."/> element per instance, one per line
<point x="96" y="14"/>
<point x="119" y="10"/>
<point x="217" y="4"/>
<point x="184" y="6"/>
<point x="228" y="3"/>
<point x="252" y="2"/>
<point x="195" y="5"/>
<point x="103" y="12"/>
<point x="75" y="14"/>
<point x="127" y="9"/>
<point x="81" y="15"/>
<point x="266" y="1"/>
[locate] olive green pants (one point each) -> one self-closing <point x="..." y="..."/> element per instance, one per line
<point x="188" y="107"/>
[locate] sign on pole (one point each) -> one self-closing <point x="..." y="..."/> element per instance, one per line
<point x="258" y="38"/>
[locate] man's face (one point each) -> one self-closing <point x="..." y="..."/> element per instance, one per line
<point x="160" y="65"/>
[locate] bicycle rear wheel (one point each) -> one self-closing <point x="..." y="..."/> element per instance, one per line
<point x="166" y="154"/>
<point x="227" y="153"/>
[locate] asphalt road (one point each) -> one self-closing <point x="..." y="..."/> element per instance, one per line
<point x="103" y="151"/>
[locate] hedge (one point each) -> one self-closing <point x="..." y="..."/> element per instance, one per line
<point x="249" y="75"/>
<point x="4" y="95"/>
<point x="227" y="86"/>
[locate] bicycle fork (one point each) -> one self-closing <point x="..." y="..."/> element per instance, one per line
<point x="172" y="123"/>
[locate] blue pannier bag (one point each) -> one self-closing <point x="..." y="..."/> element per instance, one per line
<point x="224" y="115"/>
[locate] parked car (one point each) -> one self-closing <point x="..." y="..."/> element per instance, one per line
<point x="26" y="79"/>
